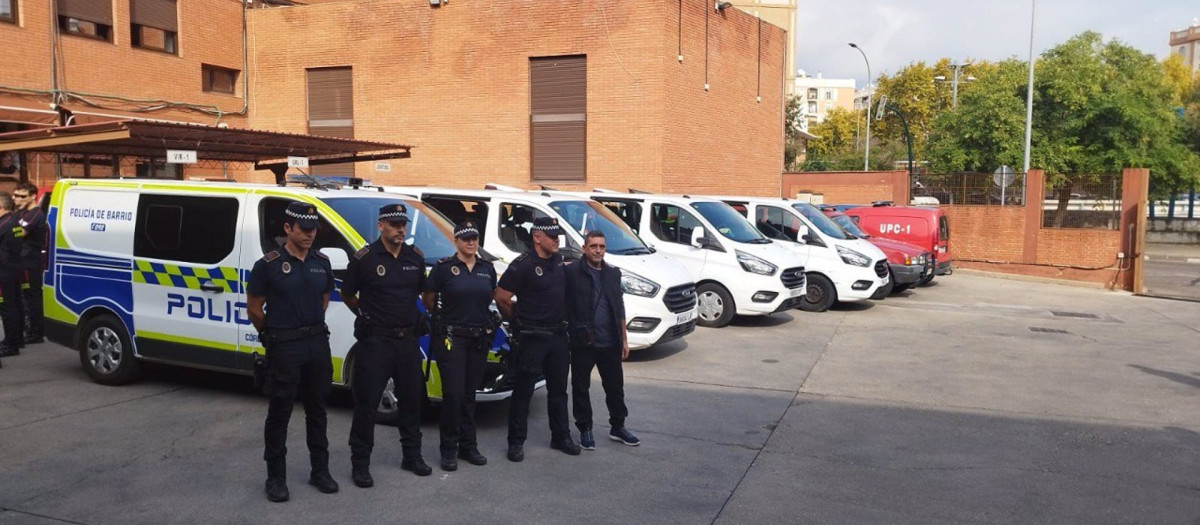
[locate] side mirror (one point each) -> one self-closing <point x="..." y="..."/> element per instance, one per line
<point x="698" y="238"/>
<point x="802" y="233"/>
<point x="338" y="259"/>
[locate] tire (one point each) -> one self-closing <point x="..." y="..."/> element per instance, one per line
<point x="820" y="294"/>
<point x="901" y="287"/>
<point x="106" y="352"/>
<point x="714" y="306"/>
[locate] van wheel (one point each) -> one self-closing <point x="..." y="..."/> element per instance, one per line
<point x="714" y="306"/>
<point x="106" y="353"/>
<point x="819" y="295"/>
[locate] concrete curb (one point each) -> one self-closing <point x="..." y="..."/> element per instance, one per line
<point x="1032" y="279"/>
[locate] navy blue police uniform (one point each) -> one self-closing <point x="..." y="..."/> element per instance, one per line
<point x="387" y="329"/>
<point x="461" y="341"/>
<point x="34" y="222"/>
<point x="540" y="325"/>
<point x="297" y="345"/>
<point x="11" y="270"/>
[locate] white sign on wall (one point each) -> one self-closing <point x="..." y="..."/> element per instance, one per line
<point x="181" y="156"/>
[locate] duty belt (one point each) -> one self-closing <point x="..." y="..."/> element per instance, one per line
<point x="400" y="332"/>
<point x="467" y="331"/>
<point x="554" y="329"/>
<point x="282" y="335"/>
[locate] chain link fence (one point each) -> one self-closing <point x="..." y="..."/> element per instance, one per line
<point x="971" y="188"/>
<point x="1082" y="201"/>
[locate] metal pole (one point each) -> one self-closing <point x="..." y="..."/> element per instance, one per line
<point x="954" y="87"/>
<point x="1029" y="92"/>
<point x="867" y="147"/>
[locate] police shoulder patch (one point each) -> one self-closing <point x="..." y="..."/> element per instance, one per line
<point x="445" y="259"/>
<point x="321" y="255"/>
<point x="363" y="252"/>
<point x="271" y="256"/>
<point x="521" y="258"/>
<point x="418" y="250"/>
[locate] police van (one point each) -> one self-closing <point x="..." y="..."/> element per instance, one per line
<point x="660" y="298"/>
<point x="155" y="271"/>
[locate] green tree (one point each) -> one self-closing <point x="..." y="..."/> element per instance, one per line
<point x="917" y="93"/>
<point x="1098" y="107"/>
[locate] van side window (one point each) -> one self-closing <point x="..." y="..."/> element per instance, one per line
<point x="777" y="224"/>
<point x="516" y="226"/>
<point x="459" y="210"/>
<point x="943" y="229"/>
<point x="190" y="229"/>
<point x="631" y="214"/>
<point x="271" y="218"/>
<point x="673" y="224"/>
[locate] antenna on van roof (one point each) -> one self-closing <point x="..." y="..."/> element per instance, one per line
<point x="604" y="190"/>
<point x="546" y="188"/>
<point x="500" y="187"/>
<point x="635" y="190"/>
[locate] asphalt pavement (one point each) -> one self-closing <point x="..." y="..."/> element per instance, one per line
<point x="973" y="400"/>
<point x="1172" y="270"/>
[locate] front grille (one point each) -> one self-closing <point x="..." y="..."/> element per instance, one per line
<point x="681" y="330"/>
<point x="881" y="268"/>
<point x="680" y="298"/>
<point x="793" y="277"/>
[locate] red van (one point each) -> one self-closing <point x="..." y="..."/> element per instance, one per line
<point x="927" y="228"/>
<point x="910" y="265"/>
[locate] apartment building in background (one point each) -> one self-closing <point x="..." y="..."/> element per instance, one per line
<point x="1186" y="43"/>
<point x="820" y="95"/>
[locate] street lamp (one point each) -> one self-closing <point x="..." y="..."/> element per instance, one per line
<point x="954" y="83"/>
<point x="867" y="155"/>
<point x="1029" y="93"/>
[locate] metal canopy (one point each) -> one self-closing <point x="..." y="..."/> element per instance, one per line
<point x="147" y="139"/>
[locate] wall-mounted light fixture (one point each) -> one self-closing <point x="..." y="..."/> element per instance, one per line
<point x="721" y="6"/>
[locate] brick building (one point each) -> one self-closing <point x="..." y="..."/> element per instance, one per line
<point x="112" y="59"/>
<point x="574" y="94"/>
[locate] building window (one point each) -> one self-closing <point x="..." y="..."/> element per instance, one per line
<point x="828" y="94"/>
<point x="828" y="106"/>
<point x="812" y="93"/>
<point x="154" y="25"/>
<point x="812" y="108"/>
<point x="558" y="118"/>
<point x="88" y="18"/>
<point x="8" y="11"/>
<point x="153" y="38"/>
<point x="331" y="111"/>
<point x="216" y="79"/>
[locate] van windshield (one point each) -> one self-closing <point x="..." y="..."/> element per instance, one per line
<point x="729" y="222"/>
<point x="427" y="229"/>
<point x="818" y="219"/>
<point x="584" y="216"/>
<point x="850" y="226"/>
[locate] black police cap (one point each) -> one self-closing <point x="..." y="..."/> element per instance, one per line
<point x="394" y="213"/>
<point x="302" y="214"/>
<point x="548" y="226"/>
<point x="466" y="230"/>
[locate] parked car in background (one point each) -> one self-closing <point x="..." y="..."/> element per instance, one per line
<point x="839" y="268"/>
<point x="927" y="228"/>
<point x="909" y="264"/>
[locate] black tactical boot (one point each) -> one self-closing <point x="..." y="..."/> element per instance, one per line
<point x="323" y="481"/>
<point x="276" y="488"/>
<point x="361" y="474"/>
<point x="449" y="462"/>
<point x="516" y="452"/>
<point x="416" y="465"/>
<point x="472" y="456"/>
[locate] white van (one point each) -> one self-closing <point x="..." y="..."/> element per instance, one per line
<point x="737" y="270"/>
<point x="660" y="298"/>
<point x="142" y="270"/>
<point x="840" y="267"/>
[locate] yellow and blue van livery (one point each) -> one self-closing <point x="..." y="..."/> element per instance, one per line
<point x="142" y="270"/>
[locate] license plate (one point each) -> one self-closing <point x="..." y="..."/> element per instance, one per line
<point x="796" y="292"/>
<point x="685" y="317"/>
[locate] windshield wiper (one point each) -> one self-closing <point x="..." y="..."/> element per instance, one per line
<point x="759" y="241"/>
<point x="634" y="250"/>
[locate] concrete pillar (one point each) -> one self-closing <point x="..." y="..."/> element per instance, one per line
<point x="1035" y="192"/>
<point x="1135" y="189"/>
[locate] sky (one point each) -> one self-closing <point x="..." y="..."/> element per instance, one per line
<point x="895" y="33"/>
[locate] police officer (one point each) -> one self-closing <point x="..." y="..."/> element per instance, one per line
<point x="11" y="270"/>
<point x="34" y="222"/>
<point x="382" y="286"/>
<point x="459" y="291"/>
<point x="294" y="283"/>
<point x="537" y="279"/>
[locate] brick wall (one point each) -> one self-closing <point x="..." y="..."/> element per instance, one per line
<point x="986" y="233"/>
<point x="210" y="32"/>
<point x="850" y="187"/>
<point x="454" y="82"/>
<point x="722" y="140"/>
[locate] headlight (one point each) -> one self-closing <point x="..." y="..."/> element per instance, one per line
<point x="754" y="264"/>
<point x="852" y="257"/>
<point x="635" y="284"/>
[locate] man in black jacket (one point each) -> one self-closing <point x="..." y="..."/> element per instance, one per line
<point x="596" y="312"/>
